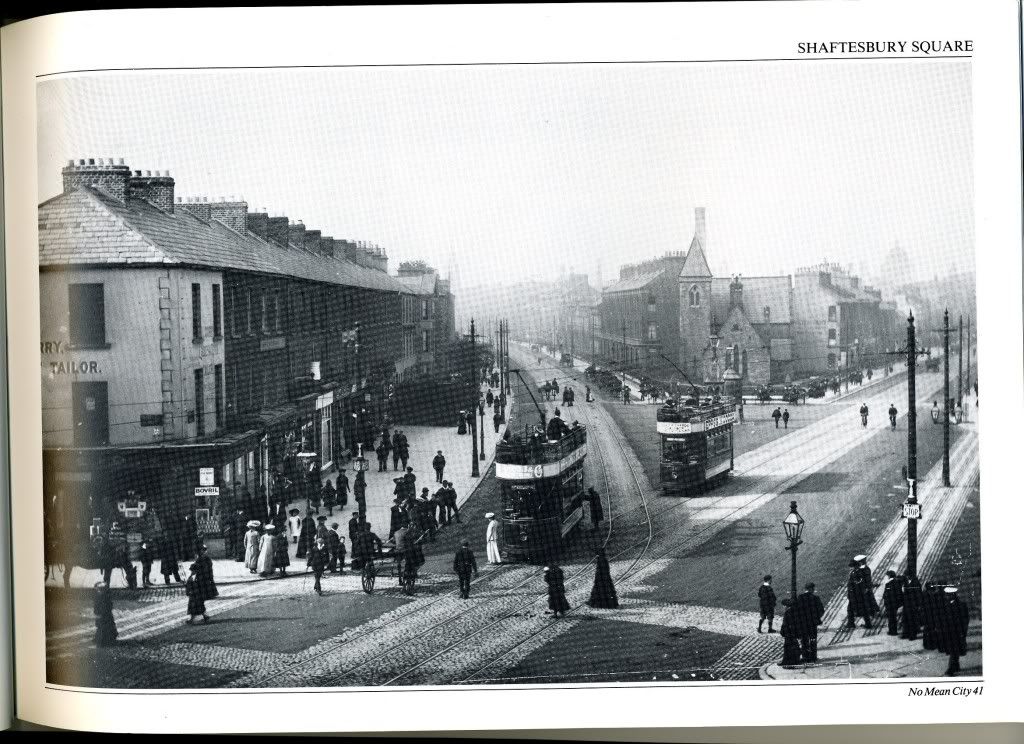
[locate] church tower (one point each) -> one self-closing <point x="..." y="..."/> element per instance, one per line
<point x="695" y="303"/>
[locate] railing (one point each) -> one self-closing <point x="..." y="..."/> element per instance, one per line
<point x="537" y="451"/>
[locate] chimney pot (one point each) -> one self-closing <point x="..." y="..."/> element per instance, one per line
<point x="120" y="161"/>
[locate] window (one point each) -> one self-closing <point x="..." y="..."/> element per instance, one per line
<point x="236" y="312"/>
<point x="831" y="313"/>
<point x="86" y="325"/>
<point x="248" y="311"/>
<point x="652" y="303"/>
<point x="217" y="330"/>
<point x="831" y="336"/>
<point x="197" y="313"/>
<point x="831" y="361"/>
<point x="200" y="403"/>
<point x="426" y="309"/>
<point x="218" y="394"/>
<point x="426" y="341"/>
<point x="89" y="410"/>
<point x="270" y="306"/>
<point x="694" y="296"/>
<point x="652" y="331"/>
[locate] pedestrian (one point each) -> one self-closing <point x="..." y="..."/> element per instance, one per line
<point x="382" y="457"/>
<point x="353" y="528"/>
<point x="146" y="556"/>
<point x="739" y="410"/>
<point x="589" y="397"/>
<point x="555" y="579"/>
<point x="776" y="414"/>
<point x="341" y="554"/>
<point x="892" y="416"/>
<point x="892" y="598"/>
<point x="232" y="537"/>
<point x="856" y="595"/>
<point x="366" y="546"/>
<point x="307" y="534"/>
<point x="294" y="525"/>
<point x="785" y="419"/>
<point x="953" y="619"/>
<point x="118" y="556"/>
<point x="493" y="555"/>
<point x="625" y="394"/>
<point x="869" y="586"/>
<point x="103" y="614"/>
<point x="318" y="559"/>
<point x="496" y="418"/>
<point x="329" y="497"/>
<point x="360" y="493"/>
<point x="912" y="598"/>
<point x="239" y="519"/>
<point x="439" y="463"/>
<point x="596" y="509"/>
<point x="196" y="599"/>
<point x="790" y="635"/>
<point x="204" y="573"/>
<point x="397" y="517"/>
<point x="464" y="565"/>
<point x="450" y="502"/>
<point x="809" y="612"/>
<point x="766" y="600"/>
<point x="252" y="545"/>
<point x="489" y="398"/>
<point x="279" y="551"/>
<point x="931" y="605"/>
<point x="602" y="595"/>
<point x="265" y="559"/>
<point x="169" y="560"/>
<point x="403" y="455"/>
<point x="342" y="488"/>
<point x="396" y="444"/>
<point x="864" y="414"/>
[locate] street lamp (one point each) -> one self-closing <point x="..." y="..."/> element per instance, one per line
<point x="481" y="406"/>
<point x="793" y="524"/>
<point x="360" y="464"/>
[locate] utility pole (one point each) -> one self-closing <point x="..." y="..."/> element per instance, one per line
<point x="912" y="446"/>
<point x="968" y="354"/>
<point x="623" y="351"/>
<point x="960" y="374"/>
<point x="945" y="395"/>
<point x="476" y="388"/>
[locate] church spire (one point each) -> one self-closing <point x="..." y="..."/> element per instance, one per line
<point x="696" y="263"/>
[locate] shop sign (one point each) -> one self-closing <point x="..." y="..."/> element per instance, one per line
<point x="207" y="491"/>
<point x="205" y="476"/>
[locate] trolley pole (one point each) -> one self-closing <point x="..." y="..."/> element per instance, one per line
<point x="476" y="388"/>
<point x="960" y="361"/>
<point x="623" y="351"/>
<point x="912" y="446"/>
<point x="945" y="404"/>
<point x="968" y="354"/>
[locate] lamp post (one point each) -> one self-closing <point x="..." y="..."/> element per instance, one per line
<point x="480" y="405"/>
<point x="793" y="525"/>
<point x="475" y="473"/>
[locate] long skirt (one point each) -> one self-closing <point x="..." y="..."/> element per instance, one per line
<point x="196" y="606"/>
<point x="603" y="594"/>
<point x="493" y="554"/>
<point x="265" y="561"/>
<point x="557" y="601"/>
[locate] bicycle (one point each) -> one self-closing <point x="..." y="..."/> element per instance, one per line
<point x="369" y="575"/>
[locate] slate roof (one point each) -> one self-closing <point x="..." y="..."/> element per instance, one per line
<point x="758" y="292"/>
<point x="639" y="281"/>
<point x="88" y="227"/>
<point x="696" y="264"/>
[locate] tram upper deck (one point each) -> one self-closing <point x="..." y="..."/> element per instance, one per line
<point x="693" y="416"/>
<point x="535" y="449"/>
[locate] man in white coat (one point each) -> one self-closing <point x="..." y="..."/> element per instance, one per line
<point x="493" y="555"/>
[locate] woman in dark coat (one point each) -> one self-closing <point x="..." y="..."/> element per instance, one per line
<point x="280" y="548"/>
<point x="194" y="592"/>
<point x="168" y="559"/>
<point x="103" y="611"/>
<point x="204" y="574"/>
<point x="307" y="533"/>
<point x="603" y="595"/>
<point x="556" y="590"/>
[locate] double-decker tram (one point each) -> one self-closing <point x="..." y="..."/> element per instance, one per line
<point x="696" y="444"/>
<point x="541" y="485"/>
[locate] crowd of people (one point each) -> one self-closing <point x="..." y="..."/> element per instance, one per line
<point x="934" y="612"/>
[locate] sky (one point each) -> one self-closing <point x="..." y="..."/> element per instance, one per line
<point x="502" y="173"/>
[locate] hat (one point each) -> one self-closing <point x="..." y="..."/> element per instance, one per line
<point x="268" y="527"/>
<point x="809" y="586"/>
<point x="334" y="525"/>
<point x="860" y="558"/>
<point x="950" y="590"/>
<point x="489" y="515"/>
<point x="546" y="569"/>
<point x="787" y="602"/>
<point x="768" y="577"/>
<point x="891" y="573"/>
<point x="321" y="518"/>
<point x="99" y="585"/>
<point x="253" y="524"/>
<point x="293" y="512"/>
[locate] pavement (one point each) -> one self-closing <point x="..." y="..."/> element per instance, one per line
<point x="424" y="442"/>
<point x="872" y="653"/>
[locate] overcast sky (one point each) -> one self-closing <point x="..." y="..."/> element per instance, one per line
<point x="511" y="172"/>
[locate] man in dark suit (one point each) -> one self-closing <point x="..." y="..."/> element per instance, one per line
<point x="892" y="598"/>
<point x="953" y="618"/>
<point x="766" y="599"/>
<point x="809" y="613"/>
<point x="464" y="565"/>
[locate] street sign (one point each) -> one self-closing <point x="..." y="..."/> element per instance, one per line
<point x="205" y="476"/>
<point x="207" y="491"/>
<point x="911" y="511"/>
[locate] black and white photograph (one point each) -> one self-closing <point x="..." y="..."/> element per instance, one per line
<point x="509" y="375"/>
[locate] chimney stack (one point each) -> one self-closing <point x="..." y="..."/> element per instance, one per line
<point x="198" y="208"/>
<point x="256" y="222"/>
<point x="113" y="179"/>
<point x="699" y="227"/>
<point x="327" y="246"/>
<point x="153" y="186"/>
<point x="296" y="234"/>
<point x="311" y="241"/>
<point x="278" y="230"/>
<point x="231" y="213"/>
<point x="346" y="249"/>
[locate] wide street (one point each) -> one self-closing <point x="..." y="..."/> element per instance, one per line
<point x="686" y="569"/>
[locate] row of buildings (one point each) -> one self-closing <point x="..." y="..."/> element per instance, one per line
<point x="673" y="312"/>
<point x="191" y="345"/>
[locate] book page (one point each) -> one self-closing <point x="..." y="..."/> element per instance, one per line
<point x="613" y="365"/>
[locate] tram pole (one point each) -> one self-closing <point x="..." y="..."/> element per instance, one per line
<point x="623" y="351"/>
<point x="968" y="355"/>
<point x="945" y="396"/>
<point x="960" y="361"/>
<point x="912" y="446"/>
<point x="476" y="388"/>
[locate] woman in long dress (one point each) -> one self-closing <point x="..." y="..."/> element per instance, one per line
<point x="493" y="554"/>
<point x="556" y="590"/>
<point x="265" y="561"/>
<point x="252" y="546"/>
<point x="603" y="594"/>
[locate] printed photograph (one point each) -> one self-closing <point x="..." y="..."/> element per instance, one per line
<point x="536" y="374"/>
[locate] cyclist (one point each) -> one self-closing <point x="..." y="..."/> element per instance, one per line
<point x="366" y="546"/>
<point x="864" y="414"/>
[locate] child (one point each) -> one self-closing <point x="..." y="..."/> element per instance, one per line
<point x="341" y="555"/>
<point x="146" y="556"/>
<point x="194" y="592"/>
<point x="103" y="611"/>
<point x="294" y="525"/>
